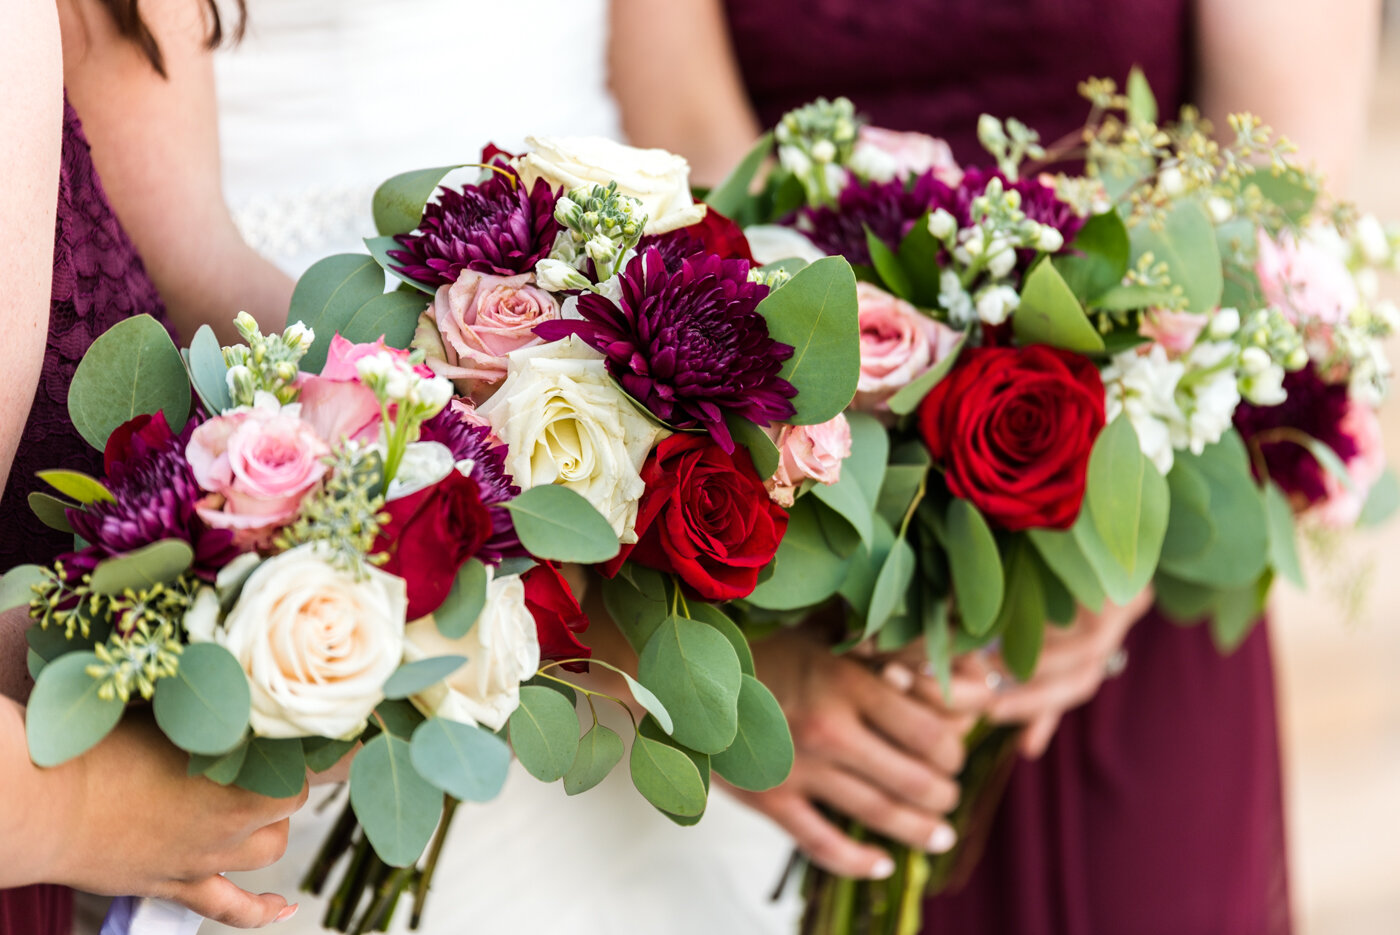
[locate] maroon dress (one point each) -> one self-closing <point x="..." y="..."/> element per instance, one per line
<point x="98" y="280"/>
<point x="1157" y="810"/>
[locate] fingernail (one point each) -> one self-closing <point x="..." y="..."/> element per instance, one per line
<point x="898" y="676"/>
<point x="928" y="670"/>
<point x="883" y="869"/>
<point x="287" y="913"/>
<point x="942" y="840"/>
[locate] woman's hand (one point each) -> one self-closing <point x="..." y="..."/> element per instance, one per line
<point x="125" y="818"/>
<point x="867" y="746"/>
<point x="1073" y="664"/>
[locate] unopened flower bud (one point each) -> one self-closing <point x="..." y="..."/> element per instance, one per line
<point x="1223" y="324"/>
<point x="1050" y="240"/>
<point x="941" y="224"/>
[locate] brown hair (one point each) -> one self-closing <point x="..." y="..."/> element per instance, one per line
<point x="127" y="15"/>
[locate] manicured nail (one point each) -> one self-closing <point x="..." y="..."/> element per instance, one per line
<point x="898" y="676"/>
<point x="883" y="869"/>
<point x="942" y="840"/>
<point x="287" y="913"/>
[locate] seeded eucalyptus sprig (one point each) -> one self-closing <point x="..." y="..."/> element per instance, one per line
<point x="345" y="514"/>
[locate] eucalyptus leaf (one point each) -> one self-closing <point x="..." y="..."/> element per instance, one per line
<point x="463" y="760"/>
<point x="1238" y="551"/>
<point x="760" y="447"/>
<point x="1097" y="259"/>
<point x="889" y="267"/>
<point x="413" y="677"/>
<point x="398" y="203"/>
<point x="274" y="768"/>
<point x="761" y="755"/>
<point x="556" y="524"/>
<point x="397" y="807"/>
<point x="392" y="316"/>
<point x="328" y="295"/>
<point x="1289" y="189"/>
<point x="1234" y="612"/>
<point x="816" y="314"/>
<point x="1381" y="501"/>
<point x="132" y="369"/>
<point x="1050" y="313"/>
<point x="1142" y="103"/>
<point x="918" y="253"/>
<point x="464" y="602"/>
<point x="599" y="750"/>
<point x="223" y="769"/>
<point x="1132" y="297"/>
<point x="975" y="563"/>
<point x="17" y="586"/>
<point x="204" y="707"/>
<point x="647" y="699"/>
<point x="891" y="585"/>
<point x="909" y="396"/>
<point x="650" y="729"/>
<point x="695" y="673"/>
<point x="1065" y="559"/>
<point x="1283" y="545"/>
<point x="544" y="733"/>
<point x="666" y="777"/>
<point x="637" y="600"/>
<point x="65" y="716"/>
<point x="379" y="248"/>
<point x="1021" y="621"/>
<point x="1186" y="243"/>
<point x="51" y="511"/>
<point x="79" y="486"/>
<point x="322" y="753"/>
<point x="1128" y="503"/>
<point x="158" y="563"/>
<point x="397" y="717"/>
<point x="1330" y="461"/>
<point x="712" y="616"/>
<point x="208" y="372"/>
<point x="730" y="196"/>
<point x="806" y="570"/>
<point x="855" y="494"/>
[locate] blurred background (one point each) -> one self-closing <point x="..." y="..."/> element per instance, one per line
<point x="1339" y="694"/>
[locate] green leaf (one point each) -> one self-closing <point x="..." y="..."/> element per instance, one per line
<point x="1235" y="611"/>
<point x="666" y="777"/>
<point x="223" y="769"/>
<point x="1060" y="605"/>
<point x="918" y="253"/>
<point x="907" y="399"/>
<point x="400" y="717"/>
<point x="888" y="266"/>
<point x="78" y="486"/>
<point x="1021" y="622"/>
<point x="1142" y="104"/>
<point x="637" y="601"/>
<point x="650" y="729"/>
<point x="463" y="760"/>
<point x="328" y="295"/>
<point x="1237" y="550"/>
<point x="557" y="524"/>
<point x="35" y="663"/>
<point x="208" y="372"/>
<point x="392" y="316"/>
<point x="854" y="496"/>
<point x="760" y="447"/>
<point x="761" y="755"/>
<point x="204" y="707"/>
<point x="1381" y="502"/>
<point x="65" y="717"/>
<point x="412" y="677"/>
<point x="1181" y="601"/>
<point x="1132" y="297"/>
<point x="274" y="768"/>
<point x="1190" y="528"/>
<point x="1289" y="190"/>
<point x="544" y="733"/>
<point x="978" y="582"/>
<point x="464" y="602"/>
<point x="599" y="750"/>
<point x="815" y="313"/>
<point x="17" y="586"/>
<point x="1283" y="546"/>
<point x="157" y="563"/>
<point x="398" y="204"/>
<point x="695" y="673"/>
<point x="648" y="700"/>
<point x="891" y="585"/>
<point x="379" y="248"/>
<point x="730" y="196"/>
<point x="1186" y="243"/>
<point x="322" y="752"/>
<point x="1050" y="314"/>
<point x="1097" y="259"/>
<point x="131" y="369"/>
<point x="1127" y="502"/>
<point x="1329" y="460"/>
<point x="713" y="616"/>
<point x="1065" y="559"/>
<point x="398" y="808"/>
<point x="938" y="649"/>
<point x="806" y="570"/>
<point x="905" y="475"/>
<point x="51" y="511"/>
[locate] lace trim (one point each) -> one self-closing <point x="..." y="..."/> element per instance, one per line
<point x="286" y="226"/>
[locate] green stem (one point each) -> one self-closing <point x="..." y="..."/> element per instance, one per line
<point x="342" y="905"/>
<point x="337" y="843"/>
<point x="425" y="879"/>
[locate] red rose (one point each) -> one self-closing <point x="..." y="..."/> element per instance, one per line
<point x="705" y="517"/>
<point x="429" y="537"/>
<point x="557" y="616"/>
<point x="1013" y="428"/>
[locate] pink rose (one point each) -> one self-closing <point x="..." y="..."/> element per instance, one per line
<point x="335" y="403"/>
<point x="1342" y="507"/>
<point x="1305" y="280"/>
<point x="481" y="319"/>
<point x="887" y="154"/>
<point x="1175" y="331"/>
<point x="809" y="451"/>
<point x="257" y="465"/>
<point x="898" y="343"/>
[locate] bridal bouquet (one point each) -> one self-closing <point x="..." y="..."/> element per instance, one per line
<point x="1073" y="385"/>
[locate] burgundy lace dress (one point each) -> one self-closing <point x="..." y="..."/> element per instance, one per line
<point x="1157" y="810"/>
<point x="98" y="280"/>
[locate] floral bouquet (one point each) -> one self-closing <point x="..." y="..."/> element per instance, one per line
<point x="1073" y="385"/>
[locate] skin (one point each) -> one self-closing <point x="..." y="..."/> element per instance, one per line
<point x="1306" y="67"/>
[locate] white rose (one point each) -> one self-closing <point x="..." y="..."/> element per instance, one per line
<point x="658" y="179"/>
<point x="502" y="650"/>
<point x="317" y="643"/>
<point x="565" y="422"/>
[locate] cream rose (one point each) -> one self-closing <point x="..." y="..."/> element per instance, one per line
<point x="316" y="642"/>
<point x="502" y="650"/>
<point x="658" y="179"/>
<point x="567" y="423"/>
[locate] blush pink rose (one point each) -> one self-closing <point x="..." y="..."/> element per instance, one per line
<point x="481" y="319"/>
<point x="1342" y="507"/>
<point x="898" y="343"/>
<point x="335" y="403"/>
<point x="901" y="155"/>
<point x="1175" y="331"/>
<point x="1309" y="283"/>
<point x="809" y="451"/>
<point x="257" y="465"/>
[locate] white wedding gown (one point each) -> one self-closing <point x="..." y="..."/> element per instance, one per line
<point x="322" y="101"/>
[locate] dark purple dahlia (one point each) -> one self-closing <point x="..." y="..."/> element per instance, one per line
<point x="888" y="209"/>
<point x="688" y="345"/>
<point x="494" y="485"/>
<point x="1313" y="408"/>
<point x="154" y="493"/>
<point x="495" y="227"/>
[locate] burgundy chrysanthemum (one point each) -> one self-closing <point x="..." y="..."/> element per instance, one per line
<point x="689" y="344"/>
<point x="154" y="493"/>
<point x="495" y="227"/>
<point x="1314" y="408"/>
<point x="488" y="470"/>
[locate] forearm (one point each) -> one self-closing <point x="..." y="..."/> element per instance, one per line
<point x="233" y="279"/>
<point x="34" y="803"/>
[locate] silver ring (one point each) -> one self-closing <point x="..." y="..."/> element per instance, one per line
<point x="994" y="680"/>
<point x="1116" y="664"/>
